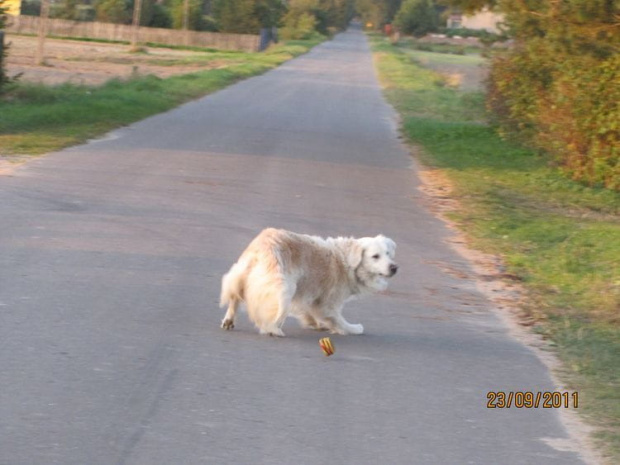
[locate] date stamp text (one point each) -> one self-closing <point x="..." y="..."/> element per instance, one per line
<point x="530" y="399"/>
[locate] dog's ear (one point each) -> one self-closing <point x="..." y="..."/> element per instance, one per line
<point x="355" y="253"/>
<point x="389" y="243"/>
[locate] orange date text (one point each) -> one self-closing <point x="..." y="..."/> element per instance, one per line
<point x="529" y="399"/>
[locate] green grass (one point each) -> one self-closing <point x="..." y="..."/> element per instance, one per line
<point x="438" y="48"/>
<point x="559" y="238"/>
<point x="442" y="58"/>
<point x="35" y="119"/>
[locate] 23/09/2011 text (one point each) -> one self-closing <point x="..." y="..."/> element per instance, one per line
<point x="529" y="399"/>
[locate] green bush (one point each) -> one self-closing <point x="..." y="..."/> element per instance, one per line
<point x="558" y="87"/>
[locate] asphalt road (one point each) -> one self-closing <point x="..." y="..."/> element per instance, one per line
<point x="111" y="255"/>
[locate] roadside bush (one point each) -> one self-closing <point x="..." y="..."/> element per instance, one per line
<point x="579" y="119"/>
<point x="558" y="90"/>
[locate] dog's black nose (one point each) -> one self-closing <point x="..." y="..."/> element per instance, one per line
<point x="393" y="269"/>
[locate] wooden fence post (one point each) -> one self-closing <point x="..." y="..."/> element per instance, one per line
<point x="137" y="12"/>
<point x="44" y="16"/>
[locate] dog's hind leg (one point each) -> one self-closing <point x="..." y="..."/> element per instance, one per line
<point x="229" y="319"/>
<point x="233" y="284"/>
<point x="284" y="306"/>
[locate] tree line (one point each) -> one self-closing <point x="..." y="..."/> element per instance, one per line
<point x="298" y="19"/>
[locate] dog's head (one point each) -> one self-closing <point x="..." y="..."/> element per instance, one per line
<point x="372" y="258"/>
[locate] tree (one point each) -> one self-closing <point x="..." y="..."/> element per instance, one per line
<point x="391" y="9"/>
<point x="372" y="11"/>
<point x="334" y="15"/>
<point x="300" y="21"/>
<point x="417" y="17"/>
<point x="471" y="6"/>
<point x="194" y="18"/>
<point x="73" y="10"/>
<point x="147" y="11"/>
<point x="112" y="11"/>
<point x="162" y="17"/>
<point x="4" y="77"/>
<point x="270" y="12"/>
<point x="238" y="16"/>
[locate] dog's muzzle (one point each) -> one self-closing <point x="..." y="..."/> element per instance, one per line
<point x="393" y="269"/>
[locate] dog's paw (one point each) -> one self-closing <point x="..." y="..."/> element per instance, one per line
<point x="272" y="332"/>
<point x="349" y="329"/>
<point x="227" y="324"/>
<point x="356" y="329"/>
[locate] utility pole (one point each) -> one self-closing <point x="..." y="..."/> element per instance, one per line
<point x="137" y="11"/>
<point x="39" y="58"/>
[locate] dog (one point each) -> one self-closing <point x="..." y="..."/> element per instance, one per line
<point x="283" y="274"/>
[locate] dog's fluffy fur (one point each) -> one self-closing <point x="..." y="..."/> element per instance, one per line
<point x="282" y="273"/>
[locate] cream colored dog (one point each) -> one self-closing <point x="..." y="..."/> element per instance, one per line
<point x="282" y="273"/>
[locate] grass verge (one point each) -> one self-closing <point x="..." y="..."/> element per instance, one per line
<point x="415" y="44"/>
<point x="559" y="238"/>
<point x="36" y="119"/>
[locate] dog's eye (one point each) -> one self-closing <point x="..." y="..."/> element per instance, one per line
<point x="376" y="256"/>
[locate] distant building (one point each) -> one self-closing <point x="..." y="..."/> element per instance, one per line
<point x="14" y="7"/>
<point x="484" y="19"/>
<point x="454" y="21"/>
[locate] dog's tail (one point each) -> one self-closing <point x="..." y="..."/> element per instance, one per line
<point x="233" y="283"/>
